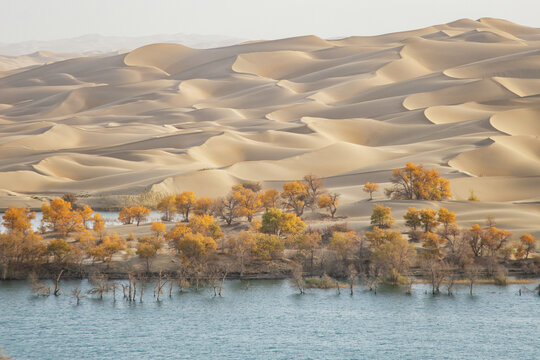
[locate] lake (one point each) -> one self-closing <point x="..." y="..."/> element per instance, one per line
<point x="269" y="320"/>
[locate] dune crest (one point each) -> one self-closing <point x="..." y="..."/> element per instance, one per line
<point x="463" y="97"/>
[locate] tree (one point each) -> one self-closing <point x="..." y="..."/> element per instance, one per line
<point x="86" y="215"/>
<point x="242" y="245"/>
<point x="107" y="248"/>
<point x="18" y="220"/>
<point x="329" y="202"/>
<point x="184" y="203"/>
<point x="344" y="244"/>
<point x="433" y="244"/>
<point x="227" y="208"/>
<point x="203" y="206"/>
<point x="268" y="247"/>
<point x="413" y="182"/>
<point x="306" y="244"/>
<point x="275" y="222"/>
<point x="313" y="190"/>
<point x="167" y="205"/>
<point x="59" y="249"/>
<point x="528" y="242"/>
<point x="294" y="196"/>
<point x="59" y="216"/>
<point x="474" y="238"/>
<point x="270" y="199"/>
<point x="494" y="239"/>
<point x="413" y="221"/>
<point x="381" y="216"/>
<point x="205" y="225"/>
<point x="99" y="225"/>
<point x="158" y="230"/>
<point x="132" y="214"/>
<point x="370" y="188"/>
<point x="428" y="218"/>
<point x="147" y="249"/>
<point x="125" y="216"/>
<point x="393" y="254"/>
<point x="139" y="213"/>
<point x="379" y="236"/>
<point x="194" y="247"/>
<point x="249" y="202"/>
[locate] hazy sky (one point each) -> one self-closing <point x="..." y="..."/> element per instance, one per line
<point x="22" y="20"/>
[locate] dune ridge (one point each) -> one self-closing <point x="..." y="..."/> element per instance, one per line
<point x="463" y="97"/>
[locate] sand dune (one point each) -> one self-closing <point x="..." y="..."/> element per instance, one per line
<point x="463" y="97"/>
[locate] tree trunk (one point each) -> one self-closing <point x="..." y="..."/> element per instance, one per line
<point x="56" y="288"/>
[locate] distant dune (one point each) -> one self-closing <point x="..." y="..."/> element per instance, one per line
<point x="462" y="97"/>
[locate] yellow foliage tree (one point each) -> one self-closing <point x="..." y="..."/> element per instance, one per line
<point x="108" y="247"/>
<point x="147" y="249"/>
<point x="195" y="246"/>
<point x="381" y="216"/>
<point x="250" y="202"/>
<point x="268" y="247"/>
<point x="344" y="244"/>
<point x="59" y="249"/>
<point x="370" y="188"/>
<point x="167" y="205"/>
<point x="184" y="203"/>
<point x="270" y="199"/>
<point x="275" y="222"/>
<point x="203" y="206"/>
<point x="242" y="245"/>
<point x="294" y="196"/>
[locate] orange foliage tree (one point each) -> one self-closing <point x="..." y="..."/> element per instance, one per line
<point x="58" y="216"/>
<point x="528" y="241"/>
<point x="329" y="202"/>
<point x="132" y="214"/>
<point x="413" y="182"/>
<point x="18" y="220"/>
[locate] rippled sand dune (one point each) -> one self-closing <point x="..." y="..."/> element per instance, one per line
<point x="462" y="97"/>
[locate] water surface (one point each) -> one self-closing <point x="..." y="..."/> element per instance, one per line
<point x="270" y="321"/>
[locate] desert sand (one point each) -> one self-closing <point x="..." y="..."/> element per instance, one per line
<point x="462" y="97"/>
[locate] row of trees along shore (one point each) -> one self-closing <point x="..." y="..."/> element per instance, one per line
<point x="74" y="241"/>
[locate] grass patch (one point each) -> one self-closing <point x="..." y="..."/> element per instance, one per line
<point x="325" y="282"/>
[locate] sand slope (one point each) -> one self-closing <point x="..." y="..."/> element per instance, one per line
<point x="462" y="97"/>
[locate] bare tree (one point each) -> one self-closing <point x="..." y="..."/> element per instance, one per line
<point x="76" y="293"/>
<point x="161" y="282"/>
<point x="57" y="282"/>
<point x="298" y="279"/>
<point x="352" y="274"/>
<point x="38" y="288"/>
<point x="100" y="285"/>
<point x="471" y="273"/>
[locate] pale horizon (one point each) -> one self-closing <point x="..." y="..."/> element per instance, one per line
<point x="25" y="20"/>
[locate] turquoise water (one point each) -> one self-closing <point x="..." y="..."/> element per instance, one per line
<point x="270" y="321"/>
